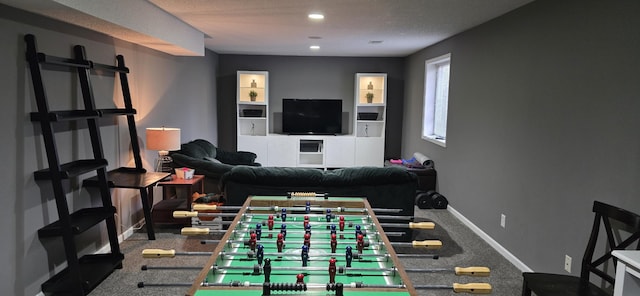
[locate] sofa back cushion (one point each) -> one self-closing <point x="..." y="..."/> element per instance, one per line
<point x="199" y="149"/>
<point x="358" y="176"/>
<point x="274" y="176"/>
<point x="296" y="177"/>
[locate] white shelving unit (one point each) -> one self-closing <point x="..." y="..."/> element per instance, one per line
<point x="253" y="112"/>
<point x="364" y="147"/>
<point x="370" y="118"/>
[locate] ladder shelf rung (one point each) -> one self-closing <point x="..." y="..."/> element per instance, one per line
<point x="110" y="68"/>
<point x="53" y="60"/>
<point x="72" y="169"/>
<point x="81" y="220"/>
<point x="117" y="111"/>
<point x="66" y="115"/>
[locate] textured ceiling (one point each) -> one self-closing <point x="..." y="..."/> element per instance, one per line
<point x="381" y="28"/>
<point x="281" y="27"/>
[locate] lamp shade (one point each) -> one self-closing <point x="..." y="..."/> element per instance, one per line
<point x="163" y="138"/>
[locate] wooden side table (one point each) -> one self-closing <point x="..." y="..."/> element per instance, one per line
<point x="133" y="178"/>
<point x="177" y="195"/>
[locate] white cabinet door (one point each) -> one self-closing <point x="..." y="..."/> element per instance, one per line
<point x="255" y="144"/>
<point x="283" y="151"/>
<point x="369" y="151"/>
<point x="339" y="151"/>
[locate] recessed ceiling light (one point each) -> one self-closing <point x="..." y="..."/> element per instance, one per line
<point x="375" y="41"/>
<point x="315" y="37"/>
<point x="314" y="47"/>
<point x="316" y="16"/>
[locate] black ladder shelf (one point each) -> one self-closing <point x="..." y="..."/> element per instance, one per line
<point x="83" y="274"/>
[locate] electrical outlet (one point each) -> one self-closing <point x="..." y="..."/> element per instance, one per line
<point x="567" y="263"/>
<point x="503" y="220"/>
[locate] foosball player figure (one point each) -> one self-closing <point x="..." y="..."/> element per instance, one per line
<point x="266" y="269"/>
<point x="280" y="242"/>
<point x="300" y="279"/>
<point x="260" y="253"/>
<point x="283" y="231"/>
<point x="360" y="243"/>
<point x="358" y="231"/>
<point x="341" y="225"/>
<point x="332" y="229"/>
<point x="307" y="240"/>
<point x="306" y="221"/>
<point x="307" y="207"/>
<point x="258" y="231"/>
<point x="307" y="229"/>
<point x="283" y="215"/>
<point x="334" y="243"/>
<point x="305" y="255"/>
<point x="332" y="270"/>
<point x="252" y="242"/>
<point x="270" y="222"/>
<point x="328" y="215"/>
<point x="349" y="256"/>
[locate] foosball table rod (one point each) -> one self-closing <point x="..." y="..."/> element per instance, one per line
<point x="475" y="271"/>
<point x="471" y="288"/>
<point x="195" y="214"/>
<point x="478" y="271"/>
<point x="411" y="225"/>
<point x="427" y="244"/>
<point x="188" y="231"/>
<point x="207" y="207"/>
<point x="171" y="253"/>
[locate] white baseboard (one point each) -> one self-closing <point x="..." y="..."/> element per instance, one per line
<point x="504" y="252"/>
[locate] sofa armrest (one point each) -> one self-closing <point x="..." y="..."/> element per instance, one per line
<point x="236" y="158"/>
<point x="202" y="166"/>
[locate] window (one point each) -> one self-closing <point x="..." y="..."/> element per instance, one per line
<point x="436" y="100"/>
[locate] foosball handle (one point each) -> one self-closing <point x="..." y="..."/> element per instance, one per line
<point x="204" y="207"/>
<point x="184" y="214"/>
<point x="429" y="244"/>
<point x="472" y="288"/>
<point x="158" y="253"/>
<point x="473" y="271"/>
<point x="194" y="231"/>
<point x="422" y="225"/>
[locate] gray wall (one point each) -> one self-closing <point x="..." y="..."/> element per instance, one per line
<point x="543" y="120"/>
<point x="166" y="90"/>
<point x="310" y="78"/>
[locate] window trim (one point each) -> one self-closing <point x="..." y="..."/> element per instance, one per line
<point x="428" y="116"/>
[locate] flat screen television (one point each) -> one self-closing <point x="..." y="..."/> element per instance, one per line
<point x="311" y="116"/>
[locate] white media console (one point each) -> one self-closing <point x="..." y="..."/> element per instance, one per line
<point x="365" y="147"/>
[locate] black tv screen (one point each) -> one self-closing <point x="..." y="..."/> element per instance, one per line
<point x="311" y="116"/>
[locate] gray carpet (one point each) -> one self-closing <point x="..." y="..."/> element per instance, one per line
<point x="461" y="247"/>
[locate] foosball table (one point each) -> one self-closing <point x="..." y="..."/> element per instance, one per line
<point x="308" y="244"/>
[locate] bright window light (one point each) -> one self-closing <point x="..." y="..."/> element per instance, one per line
<point x="436" y="100"/>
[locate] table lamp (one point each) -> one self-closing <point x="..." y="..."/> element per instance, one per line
<point x="163" y="139"/>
